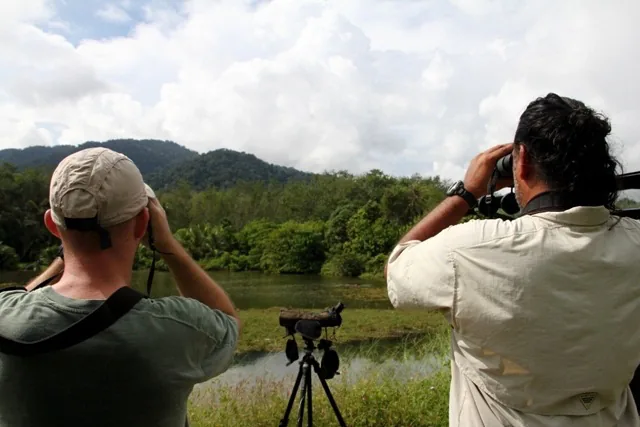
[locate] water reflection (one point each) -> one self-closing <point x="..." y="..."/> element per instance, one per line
<point x="259" y="368"/>
<point x="365" y="358"/>
<point x="375" y="349"/>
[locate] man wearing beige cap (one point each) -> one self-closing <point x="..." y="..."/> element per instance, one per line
<point x="140" y="370"/>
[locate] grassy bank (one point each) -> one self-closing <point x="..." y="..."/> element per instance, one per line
<point x="379" y="400"/>
<point x="360" y="328"/>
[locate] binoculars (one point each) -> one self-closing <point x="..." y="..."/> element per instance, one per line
<point x="504" y="166"/>
<point x="489" y="204"/>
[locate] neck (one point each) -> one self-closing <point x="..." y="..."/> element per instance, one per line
<point x="528" y="193"/>
<point x="93" y="276"/>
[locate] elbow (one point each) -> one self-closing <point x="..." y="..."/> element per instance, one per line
<point x="392" y="294"/>
<point x="398" y="290"/>
<point x="395" y="301"/>
<point x="239" y="323"/>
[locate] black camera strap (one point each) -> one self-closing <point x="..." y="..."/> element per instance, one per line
<point x="549" y="201"/>
<point x="112" y="309"/>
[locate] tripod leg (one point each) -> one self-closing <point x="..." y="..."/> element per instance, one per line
<point x="303" y="394"/>
<point x="285" y="420"/>
<point x="309" y="401"/>
<point x="316" y="367"/>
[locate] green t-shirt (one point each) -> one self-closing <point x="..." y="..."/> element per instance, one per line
<point x="139" y="372"/>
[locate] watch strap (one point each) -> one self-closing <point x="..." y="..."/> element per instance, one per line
<point x="469" y="198"/>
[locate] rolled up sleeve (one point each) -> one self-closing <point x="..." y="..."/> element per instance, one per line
<point x="223" y="332"/>
<point x="421" y="274"/>
<point x="207" y="337"/>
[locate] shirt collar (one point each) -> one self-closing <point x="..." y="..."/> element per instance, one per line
<point x="579" y="215"/>
<point x="561" y="208"/>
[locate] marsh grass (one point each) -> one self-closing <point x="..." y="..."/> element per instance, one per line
<point x="380" y="401"/>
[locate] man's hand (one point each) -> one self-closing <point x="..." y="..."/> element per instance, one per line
<point x="162" y="236"/>
<point x="56" y="268"/>
<point x="481" y="167"/>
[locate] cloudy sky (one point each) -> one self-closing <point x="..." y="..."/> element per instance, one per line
<point x="407" y="86"/>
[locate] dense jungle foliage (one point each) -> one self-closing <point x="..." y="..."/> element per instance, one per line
<point x="335" y="224"/>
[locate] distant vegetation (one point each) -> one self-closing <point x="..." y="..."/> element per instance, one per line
<point x="335" y="224"/>
<point x="148" y="155"/>
<point x="233" y="211"/>
<point x="222" y="169"/>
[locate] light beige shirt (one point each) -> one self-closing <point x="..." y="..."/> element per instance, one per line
<point x="545" y="315"/>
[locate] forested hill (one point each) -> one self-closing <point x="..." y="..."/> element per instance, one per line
<point x="165" y="163"/>
<point x="149" y="155"/>
<point x="223" y="168"/>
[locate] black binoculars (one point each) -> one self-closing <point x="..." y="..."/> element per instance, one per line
<point x="489" y="204"/>
<point x="504" y="166"/>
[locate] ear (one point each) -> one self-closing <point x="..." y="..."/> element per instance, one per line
<point x="522" y="167"/>
<point x="51" y="226"/>
<point x="142" y="220"/>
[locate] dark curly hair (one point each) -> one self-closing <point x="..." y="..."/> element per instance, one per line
<point x="567" y="144"/>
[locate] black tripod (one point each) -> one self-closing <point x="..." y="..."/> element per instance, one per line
<point x="305" y="372"/>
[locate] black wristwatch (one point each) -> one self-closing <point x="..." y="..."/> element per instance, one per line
<point x="61" y="253"/>
<point x="457" y="189"/>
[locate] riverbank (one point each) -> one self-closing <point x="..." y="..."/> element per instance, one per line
<point x="382" y="393"/>
<point x="378" y="400"/>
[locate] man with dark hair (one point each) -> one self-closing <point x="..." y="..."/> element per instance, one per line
<point x="544" y="309"/>
<point x="140" y="370"/>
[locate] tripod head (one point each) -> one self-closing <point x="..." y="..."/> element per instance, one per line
<point x="329" y="318"/>
<point x="310" y="326"/>
<point x="311" y="330"/>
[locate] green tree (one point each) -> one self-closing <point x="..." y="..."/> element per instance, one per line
<point x="346" y="264"/>
<point x="336" y="234"/>
<point x="369" y="233"/>
<point x="8" y="258"/>
<point x="177" y="204"/>
<point x="295" y="248"/>
<point x="252" y="241"/>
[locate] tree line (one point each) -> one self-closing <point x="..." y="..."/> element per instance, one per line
<point x="333" y="223"/>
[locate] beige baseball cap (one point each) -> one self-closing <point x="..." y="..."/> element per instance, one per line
<point x="96" y="188"/>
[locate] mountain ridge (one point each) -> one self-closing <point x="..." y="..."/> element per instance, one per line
<point x="147" y="154"/>
<point x="164" y="163"/>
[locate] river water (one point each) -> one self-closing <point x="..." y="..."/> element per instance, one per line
<point x="257" y="290"/>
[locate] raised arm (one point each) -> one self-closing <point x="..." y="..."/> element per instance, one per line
<point x="192" y="280"/>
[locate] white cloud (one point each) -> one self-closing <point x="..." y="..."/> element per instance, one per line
<point x="411" y="86"/>
<point x="437" y="74"/>
<point x="114" y="13"/>
<point x="24" y="11"/>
